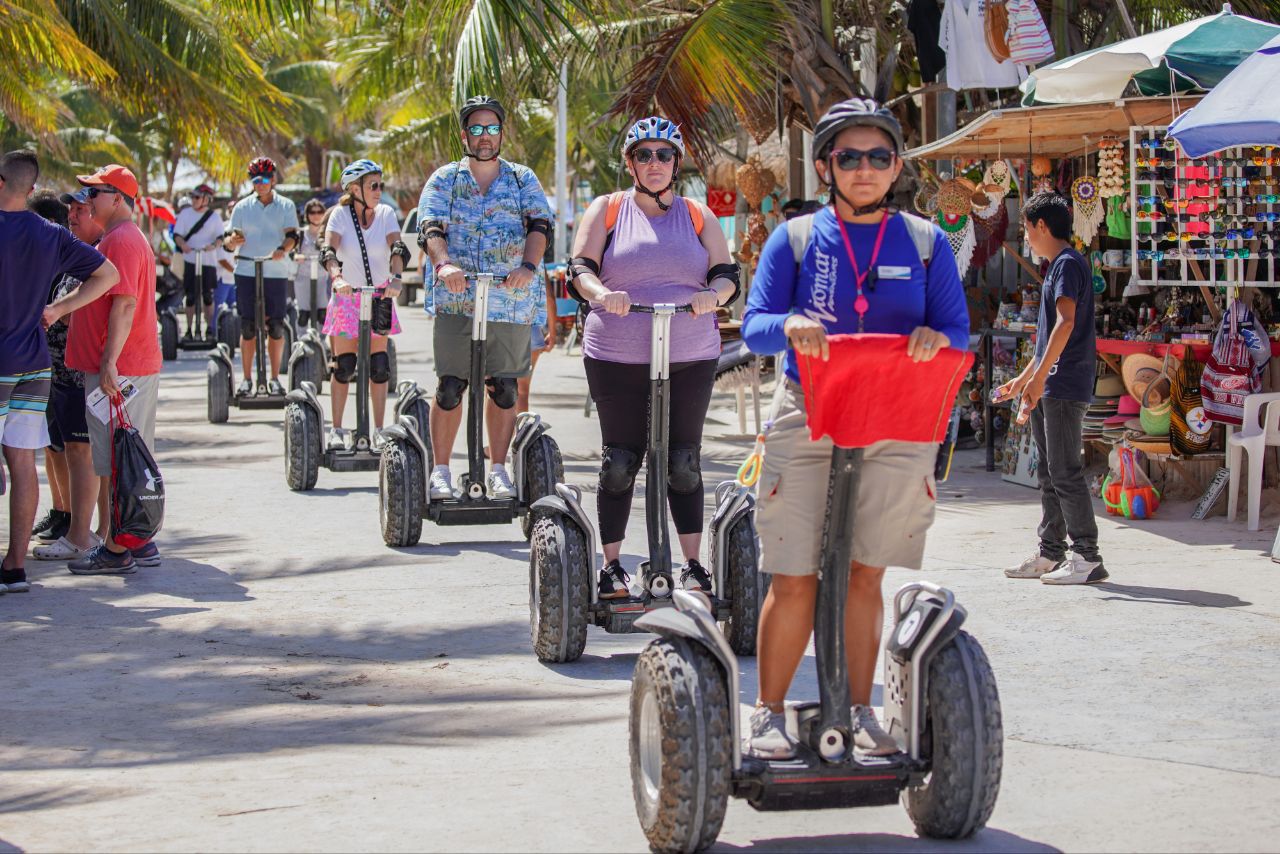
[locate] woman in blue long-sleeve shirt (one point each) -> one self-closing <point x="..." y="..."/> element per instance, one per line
<point x="865" y="269"/>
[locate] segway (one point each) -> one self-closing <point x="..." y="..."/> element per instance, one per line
<point x="941" y="705"/>
<point x="305" y="451"/>
<point x="221" y="370"/>
<point x="309" y="357"/>
<point x="563" y="595"/>
<point x="404" y="498"/>
<point x="170" y="341"/>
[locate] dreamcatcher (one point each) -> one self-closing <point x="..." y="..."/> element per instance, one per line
<point x="959" y="231"/>
<point x="1088" y="209"/>
<point x="996" y="179"/>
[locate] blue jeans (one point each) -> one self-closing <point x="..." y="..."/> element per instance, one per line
<point x="1066" y="505"/>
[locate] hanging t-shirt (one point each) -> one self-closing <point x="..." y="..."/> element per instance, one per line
<point x="1072" y="378"/>
<point x="384" y="223"/>
<point x="1118" y="226"/>
<point x="34" y="253"/>
<point x="970" y="63"/>
<point x="924" y="20"/>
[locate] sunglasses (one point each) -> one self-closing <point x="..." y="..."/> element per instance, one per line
<point x="315" y="213"/>
<point x="377" y="185"/>
<point x="481" y="130"/>
<point x="849" y="159"/>
<point x="94" y="192"/>
<point x="262" y="179"/>
<point x="646" y="155"/>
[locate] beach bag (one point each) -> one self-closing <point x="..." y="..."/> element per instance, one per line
<point x="1234" y="370"/>
<point x="1127" y="491"/>
<point x="1190" y="430"/>
<point x="1029" y="41"/>
<point x="137" y="490"/>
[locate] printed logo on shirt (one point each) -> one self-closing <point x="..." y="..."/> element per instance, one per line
<point x="827" y="268"/>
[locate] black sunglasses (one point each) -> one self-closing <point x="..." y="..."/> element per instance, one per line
<point x="94" y="192"/>
<point x="849" y="159"/>
<point x="480" y="130"/>
<point x="646" y="155"/>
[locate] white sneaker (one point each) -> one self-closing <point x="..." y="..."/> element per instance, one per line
<point x="1033" y="567"/>
<point x="868" y="736"/>
<point x="500" y="483"/>
<point x="441" y="483"/>
<point x="64" y="549"/>
<point x="338" y="438"/>
<point x="1077" y="570"/>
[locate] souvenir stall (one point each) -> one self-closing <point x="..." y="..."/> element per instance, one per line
<point x="1183" y="252"/>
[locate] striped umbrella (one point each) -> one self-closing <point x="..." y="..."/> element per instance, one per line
<point x="1189" y="57"/>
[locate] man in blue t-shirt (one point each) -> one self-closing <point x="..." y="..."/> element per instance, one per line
<point x="1056" y="388"/>
<point x="33" y="253"/>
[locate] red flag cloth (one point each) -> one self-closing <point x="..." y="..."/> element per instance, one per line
<point x="159" y="210"/>
<point x="870" y="391"/>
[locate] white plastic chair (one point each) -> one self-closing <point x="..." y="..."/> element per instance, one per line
<point x="1254" y="437"/>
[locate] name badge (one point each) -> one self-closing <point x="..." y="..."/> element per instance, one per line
<point x="893" y="272"/>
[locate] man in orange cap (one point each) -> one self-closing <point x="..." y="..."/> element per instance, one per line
<point x="115" y="338"/>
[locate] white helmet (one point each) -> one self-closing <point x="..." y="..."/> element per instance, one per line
<point x="653" y="128"/>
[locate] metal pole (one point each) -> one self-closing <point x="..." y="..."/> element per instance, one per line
<point x="363" y="348"/>
<point x="563" y="212"/>
<point x="659" y="442"/>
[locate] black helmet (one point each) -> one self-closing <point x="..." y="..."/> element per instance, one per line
<point x="481" y="102"/>
<point x="855" y="112"/>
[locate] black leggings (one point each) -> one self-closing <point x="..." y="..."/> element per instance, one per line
<point x="621" y="396"/>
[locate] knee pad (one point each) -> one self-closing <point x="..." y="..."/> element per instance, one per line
<point x="379" y="367"/>
<point x="684" y="470"/>
<point x="344" y="368"/>
<point x="275" y="328"/>
<point x="618" y="468"/>
<point x="449" y="392"/>
<point x="502" y="391"/>
<point x="248" y="328"/>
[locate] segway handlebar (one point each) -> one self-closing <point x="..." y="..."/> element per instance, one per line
<point x="648" y="309"/>
<point x="472" y="277"/>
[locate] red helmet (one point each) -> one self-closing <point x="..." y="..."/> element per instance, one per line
<point x="262" y="166"/>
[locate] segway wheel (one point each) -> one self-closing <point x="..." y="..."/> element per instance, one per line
<point x="317" y="364"/>
<point x="559" y="595"/>
<point x="421" y="412"/>
<point x="288" y="348"/>
<point x="400" y="491"/>
<point x="964" y="742"/>
<point x="168" y="337"/>
<point x="229" y="331"/>
<point x="219" y="391"/>
<point x="543" y="469"/>
<point x="307" y="366"/>
<point x="391" y="359"/>
<point x="742" y="577"/>
<point x="302" y="447"/>
<point x="681" y="759"/>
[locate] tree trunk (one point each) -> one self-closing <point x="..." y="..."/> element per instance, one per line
<point x="315" y="164"/>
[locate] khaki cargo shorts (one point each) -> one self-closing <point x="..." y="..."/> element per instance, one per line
<point x="895" y="506"/>
<point x="506" y="348"/>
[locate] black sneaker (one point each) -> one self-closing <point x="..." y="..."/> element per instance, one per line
<point x="613" y="581"/>
<point x="14" y="580"/>
<point x="59" y="529"/>
<point x="188" y="336"/>
<point x="46" y="521"/>
<point x="694" y="576"/>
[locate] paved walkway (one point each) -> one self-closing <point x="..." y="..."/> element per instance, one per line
<point x="286" y="682"/>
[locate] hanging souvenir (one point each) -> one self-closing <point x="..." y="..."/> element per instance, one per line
<point x="1088" y="209"/>
<point x="955" y="197"/>
<point x="959" y="231"/>
<point x="996" y="179"/>
<point x="988" y="206"/>
<point x="1111" y="169"/>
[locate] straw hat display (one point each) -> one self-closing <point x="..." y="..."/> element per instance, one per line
<point x="1140" y="370"/>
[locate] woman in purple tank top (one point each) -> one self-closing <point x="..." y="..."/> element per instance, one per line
<point x="653" y="254"/>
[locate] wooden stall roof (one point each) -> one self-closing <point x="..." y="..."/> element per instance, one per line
<point x="1054" y="130"/>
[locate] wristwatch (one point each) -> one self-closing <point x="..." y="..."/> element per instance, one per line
<point x="532" y="268"/>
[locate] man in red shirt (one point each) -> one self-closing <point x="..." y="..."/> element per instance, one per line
<point x="114" y="342"/>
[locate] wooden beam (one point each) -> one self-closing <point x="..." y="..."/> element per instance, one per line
<point x="1112" y="362"/>
<point x="1022" y="262"/>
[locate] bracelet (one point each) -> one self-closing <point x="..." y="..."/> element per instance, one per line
<point x="437" y="267"/>
<point x="531" y="267"/>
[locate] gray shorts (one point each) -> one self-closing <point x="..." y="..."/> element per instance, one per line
<point x="506" y="348"/>
<point x="893" y="513"/>
<point x="141" y="410"/>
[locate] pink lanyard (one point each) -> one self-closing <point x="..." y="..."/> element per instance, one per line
<point x="860" y="305"/>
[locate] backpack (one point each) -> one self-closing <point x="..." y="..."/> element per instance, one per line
<point x="1190" y="432"/>
<point x="800" y="229"/>
<point x="1234" y="370"/>
<point x="615" y="206"/>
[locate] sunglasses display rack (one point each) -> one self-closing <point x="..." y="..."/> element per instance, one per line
<point x="1203" y="221"/>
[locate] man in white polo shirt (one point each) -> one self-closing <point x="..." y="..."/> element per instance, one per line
<point x="197" y="230"/>
<point x="263" y="224"/>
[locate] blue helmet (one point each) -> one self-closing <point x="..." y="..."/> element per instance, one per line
<point x="358" y="170"/>
<point x="653" y="128"/>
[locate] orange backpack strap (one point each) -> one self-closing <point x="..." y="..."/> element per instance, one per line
<point x="611" y="212"/>
<point x="695" y="214"/>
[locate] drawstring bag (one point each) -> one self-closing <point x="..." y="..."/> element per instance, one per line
<point x="1241" y="350"/>
<point x="1190" y="430"/>
<point x="1127" y="491"/>
<point x="137" y="490"/>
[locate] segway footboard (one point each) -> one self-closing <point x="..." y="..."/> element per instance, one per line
<point x="807" y="782"/>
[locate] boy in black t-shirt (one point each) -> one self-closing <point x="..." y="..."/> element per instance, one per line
<point x="1056" y="388"/>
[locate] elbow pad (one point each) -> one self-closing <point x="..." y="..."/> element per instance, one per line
<point x="431" y="229"/>
<point x="294" y="235"/>
<point x="578" y="267"/>
<point x="730" y="272"/>
<point x="327" y="256"/>
<point x="537" y="226"/>
<point x="399" y="250"/>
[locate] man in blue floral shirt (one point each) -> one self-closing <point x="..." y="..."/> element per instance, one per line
<point x="482" y="214"/>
